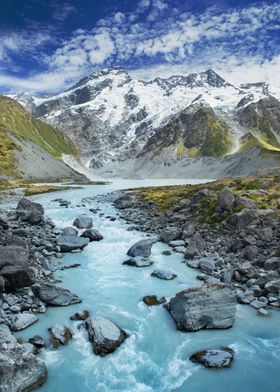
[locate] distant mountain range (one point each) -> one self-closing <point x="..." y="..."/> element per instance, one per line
<point x="112" y="118"/>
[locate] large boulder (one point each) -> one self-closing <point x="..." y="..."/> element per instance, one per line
<point x="20" y="370"/>
<point x="92" y="235"/>
<point x="214" y="359"/>
<point x="142" y="248"/>
<point x="170" y="234"/>
<point x="4" y="221"/>
<point x="17" y="276"/>
<point x="13" y="255"/>
<point x="30" y="211"/>
<point x="226" y="199"/>
<point x="211" y="306"/>
<point x="195" y="246"/>
<point x="22" y="320"/>
<point x="104" y="335"/>
<point x="241" y="220"/>
<point x="54" y="295"/>
<point x="83" y="222"/>
<point x="68" y="243"/>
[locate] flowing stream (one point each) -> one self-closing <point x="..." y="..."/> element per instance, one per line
<point x="155" y="356"/>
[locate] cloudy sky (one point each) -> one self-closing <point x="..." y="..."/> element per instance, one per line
<point x="45" y="46"/>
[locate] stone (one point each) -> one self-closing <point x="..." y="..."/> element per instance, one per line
<point x="104" y="335"/>
<point x="206" y="265"/>
<point x="273" y="287"/>
<point x="124" y="202"/>
<point x="241" y="220"/>
<point x="80" y="316"/>
<point x="195" y="246"/>
<point x="139" y="262"/>
<point x="30" y="348"/>
<point x="60" y="335"/>
<point x="266" y="234"/>
<point x="163" y="274"/>
<point x="69" y="231"/>
<point x="176" y="243"/>
<point x="54" y="295"/>
<point x="272" y="264"/>
<point x="244" y="202"/>
<point x="166" y="253"/>
<point x="151" y="300"/>
<point x="20" y="370"/>
<point x="210" y="306"/>
<point x="170" y="234"/>
<point x="92" y="235"/>
<point x="262" y="312"/>
<point x="142" y="248"/>
<point x="22" y="320"/>
<point x="188" y="231"/>
<point x="227" y="274"/>
<point x="13" y="255"/>
<point x="37" y="341"/>
<point x="4" y="221"/>
<point x="6" y="337"/>
<point x="214" y="359"/>
<point x="30" y="211"/>
<point x="70" y="243"/>
<point x="226" y="199"/>
<point x="17" y="276"/>
<point x="257" y="304"/>
<point x="83" y="222"/>
<point x="251" y="251"/>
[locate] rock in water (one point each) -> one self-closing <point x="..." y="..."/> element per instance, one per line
<point x="104" y="335"/>
<point x="215" y="359"/>
<point x="211" y="306"/>
<point x="20" y="370"/>
<point x="83" y="315"/>
<point x="54" y="295"/>
<point x="83" y="222"/>
<point x="163" y="274"/>
<point x="142" y="248"/>
<point x="70" y="242"/>
<point x="30" y="212"/>
<point x="92" y="235"/>
<point x="139" y="262"/>
<point x="60" y="335"/>
<point x="22" y="320"/>
<point x="151" y="300"/>
<point x="69" y="231"/>
<point x="37" y="341"/>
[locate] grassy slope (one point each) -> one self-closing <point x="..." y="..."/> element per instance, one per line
<point x="15" y="119"/>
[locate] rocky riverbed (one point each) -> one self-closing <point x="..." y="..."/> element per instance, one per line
<point x="229" y="231"/>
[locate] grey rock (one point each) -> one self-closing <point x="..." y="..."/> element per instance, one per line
<point x="266" y="234"/>
<point x="272" y="264"/>
<point x="69" y="231"/>
<point x="195" y="246"/>
<point x="142" y="248"/>
<point x="22" y="320"/>
<point x="30" y="348"/>
<point x="92" y="235"/>
<point x="70" y="243"/>
<point x="242" y="201"/>
<point x="37" y="341"/>
<point x="258" y="304"/>
<point x="251" y="251"/>
<point x="104" y="335"/>
<point x="188" y="231"/>
<point x="206" y="265"/>
<point x="211" y="306"/>
<point x="54" y="295"/>
<point x="139" y="262"/>
<point x="263" y="312"/>
<point x="30" y="211"/>
<point x="241" y="220"/>
<point x="6" y="337"/>
<point x="273" y="287"/>
<point x="214" y="359"/>
<point x="83" y="222"/>
<point x="17" y="276"/>
<point x="124" y="202"/>
<point x="20" y="370"/>
<point x="60" y="335"/>
<point x="170" y="234"/>
<point x="226" y="199"/>
<point x="227" y="274"/>
<point x="163" y="274"/>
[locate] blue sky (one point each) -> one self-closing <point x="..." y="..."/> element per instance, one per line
<point x="47" y="45"/>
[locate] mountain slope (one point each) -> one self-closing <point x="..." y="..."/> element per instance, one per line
<point x="112" y="118"/>
<point x="28" y="147"/>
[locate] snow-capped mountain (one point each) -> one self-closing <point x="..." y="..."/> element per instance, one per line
<point x="112" y="117"/>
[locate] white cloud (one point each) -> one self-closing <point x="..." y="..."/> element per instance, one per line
<point x="179" y="42"/>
